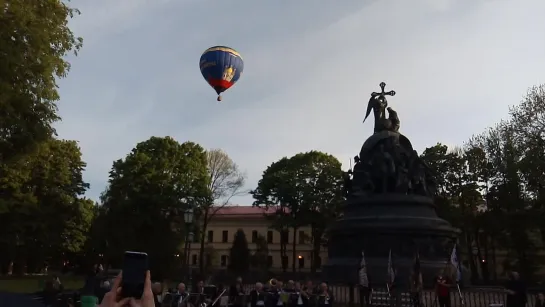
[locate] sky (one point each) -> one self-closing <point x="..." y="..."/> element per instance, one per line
<point x="310" y="66"/>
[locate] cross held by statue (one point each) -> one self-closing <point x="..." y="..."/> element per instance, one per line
<point x="383" y="93"/>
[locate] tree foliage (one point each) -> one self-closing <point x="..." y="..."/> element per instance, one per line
<point x="493" y="190"/>
<point x="304" y="190"/>
<point x="34" y="38"/>
<point x="225" y="181"/>
<point x="260" y="256"/>
<point x="149" y="191"/>
<point x="239" y="254"/>
<point x="42" y="212"/>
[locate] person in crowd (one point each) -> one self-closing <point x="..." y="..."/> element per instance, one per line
<point x="157" y="289"/>
<point x="325" y="297"/>
<point x="442" y="289"/>
<point x="200" y="296"/>
<point x="57" y="285"/>
<point x="199" y="287"/>
<point x="49" y="293"/>
<point x="290" y="286"/>
<point x="236" y="293"/>
<point x="365" y="289"/>
<point x="516" y="291"/>
<point x="273" y="298"/>
<point x="181" y="294"/>
<point x="416" y="286"/>
<point x="540" y="300"/>
<point x="298" y="297"/>
<point x="104" y="288"/>
<point x="112" y="299"/>
<point x="310" y="290"/>
<point x="257" y="296"/>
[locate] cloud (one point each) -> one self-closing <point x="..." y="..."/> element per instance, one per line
<point x="309" y="68"/>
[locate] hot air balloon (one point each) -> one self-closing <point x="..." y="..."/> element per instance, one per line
<point x="221" y="67"/>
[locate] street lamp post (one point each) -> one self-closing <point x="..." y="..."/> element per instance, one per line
<point x="188" y="220"/>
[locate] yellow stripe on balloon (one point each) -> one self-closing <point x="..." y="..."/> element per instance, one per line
<point x="226" y="49"/>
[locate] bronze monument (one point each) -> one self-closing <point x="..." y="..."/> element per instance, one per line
<point x="389" y="206"/>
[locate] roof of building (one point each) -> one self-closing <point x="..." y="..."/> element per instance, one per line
<point x="243" y="210"/>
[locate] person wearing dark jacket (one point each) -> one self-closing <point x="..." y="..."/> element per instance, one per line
<point x="325" y="297"/>
<point x="236" y="293"/>
<point x="516" y="291"/>
<point x="540" y="300"/>
<point x="298" y="297"/>
<point x="257" y="296"/>
<point x="273" y="299"/>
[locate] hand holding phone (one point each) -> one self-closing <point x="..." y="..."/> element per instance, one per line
<point x="135" y="267"/>
<point x="113" y="299"/>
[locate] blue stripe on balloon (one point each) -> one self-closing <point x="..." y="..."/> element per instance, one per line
<point x="214" y="62"/>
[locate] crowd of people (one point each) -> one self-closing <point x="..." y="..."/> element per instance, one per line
<point x="275" y="293"/>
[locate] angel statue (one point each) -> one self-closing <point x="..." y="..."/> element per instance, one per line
<point x="378" y="104"/>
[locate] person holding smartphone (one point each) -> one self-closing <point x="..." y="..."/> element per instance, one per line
<point x="113" y="298"/>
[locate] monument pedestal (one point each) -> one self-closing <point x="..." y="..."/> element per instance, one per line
<point x="404" y="224"/>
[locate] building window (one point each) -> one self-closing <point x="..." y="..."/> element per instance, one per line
<point x="269" y="261"/>
<point x="302" y="237"/>
<point x="301" y="260"/>
<point x="208" y="260"/>
<point x="210" y="236"/>
<point x="225" y="236"/>
<point x="270" y="237"/>
<point x="223" y="260"/>
<point x="194" y="259"/>
<point x="254" y="236"/>
<point x="285" y="237"/>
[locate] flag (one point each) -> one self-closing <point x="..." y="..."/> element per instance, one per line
<point x="456" y="264"/>
<point x="391" y="273"/>
<point x="364" y="280"/>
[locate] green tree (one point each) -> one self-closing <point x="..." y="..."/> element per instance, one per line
<point x="147" y="195"/>
<point x="261" y="254"/>
<point x="225" y="181"/>
<point x="299" y="186"/>
<point x="493" y="187"/>
<point x="459" y="194"/>
<point x="239" y="254"/>
<point x="34" y="40"/>
<point x="42" y="212"/>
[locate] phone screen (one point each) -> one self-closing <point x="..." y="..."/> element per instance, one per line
<point x="135" y="265"/>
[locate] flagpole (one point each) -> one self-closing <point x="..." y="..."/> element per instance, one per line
<point x="390" y="268"/>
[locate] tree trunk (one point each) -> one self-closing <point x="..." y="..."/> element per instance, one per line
<point x="203" y="239"/>
<point x="486" y="249"/>
<point x="294" y="250"/>
<point x="313" y="259"/>
<point x="471" y="258"/>
<point x="483" y="265"/>
<point x="282" y="251"/>
<point x="494" y="260"/>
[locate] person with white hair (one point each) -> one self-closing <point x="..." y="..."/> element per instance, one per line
<point x="157" y="289"/>
<point x="257" y="296"/>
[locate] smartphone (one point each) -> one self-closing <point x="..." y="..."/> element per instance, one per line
<point x="135" y="266"/>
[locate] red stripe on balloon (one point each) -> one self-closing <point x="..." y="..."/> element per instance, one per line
<point x="220" y="83"/>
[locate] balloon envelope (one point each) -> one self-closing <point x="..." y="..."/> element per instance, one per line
<point x="221" y="67"/>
